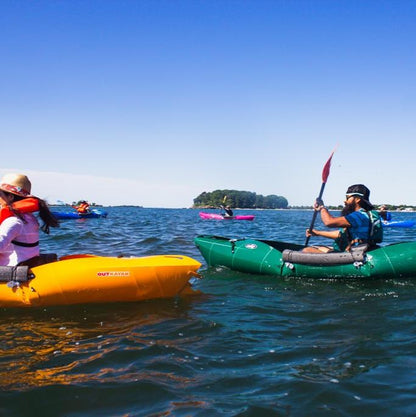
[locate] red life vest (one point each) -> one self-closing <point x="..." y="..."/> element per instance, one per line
<point x="83" y="208"/>
<point x="27" y="205"/>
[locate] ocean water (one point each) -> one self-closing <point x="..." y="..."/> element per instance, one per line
<point x="247" y="346"/>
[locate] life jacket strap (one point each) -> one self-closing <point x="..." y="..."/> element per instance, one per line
<point x="24" y="244"/>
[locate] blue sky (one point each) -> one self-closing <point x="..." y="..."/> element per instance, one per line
<point x="153" y="102"/>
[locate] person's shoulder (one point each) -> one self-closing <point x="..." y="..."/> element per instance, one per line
<point x="357" y="217"/>
<point x="357" y="213"/>
<point x="12" y="221"/>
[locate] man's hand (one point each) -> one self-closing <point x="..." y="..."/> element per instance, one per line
<point x="319" y="204"/>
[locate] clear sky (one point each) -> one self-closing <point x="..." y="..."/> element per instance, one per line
<point x="151" y="102"/>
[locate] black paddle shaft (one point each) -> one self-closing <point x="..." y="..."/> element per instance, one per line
<point x="315" y="213"/>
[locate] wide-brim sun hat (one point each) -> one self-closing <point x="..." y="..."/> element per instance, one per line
<point x="18" y="184"/>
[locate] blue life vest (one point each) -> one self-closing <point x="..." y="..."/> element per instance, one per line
<point x="363" y="233"/>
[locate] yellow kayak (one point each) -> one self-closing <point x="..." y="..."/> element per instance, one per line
<point x="79" y="279"/>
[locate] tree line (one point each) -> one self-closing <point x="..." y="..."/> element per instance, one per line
<point x="240" y="199"/>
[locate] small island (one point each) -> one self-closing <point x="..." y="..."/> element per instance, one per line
<point x="239" y="199"/>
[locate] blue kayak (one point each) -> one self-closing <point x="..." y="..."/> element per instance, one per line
<point x="399" y="223"/>
<point x="62" y="215"/>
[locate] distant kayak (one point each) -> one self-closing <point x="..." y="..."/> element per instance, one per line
<point x="402" y="223"/>
<point x="94" y="213"/>
<point x="216" y="216"/>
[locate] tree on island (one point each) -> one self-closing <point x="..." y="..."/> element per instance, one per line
<point x="240" y="199"/>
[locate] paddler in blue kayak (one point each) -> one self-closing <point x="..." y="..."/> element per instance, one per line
<point x="82" y="207"/>
<point x="384" y="214"/>
<point x="359" y="223"/>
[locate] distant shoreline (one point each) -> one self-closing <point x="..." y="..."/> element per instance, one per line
<point x="401" y="209"/>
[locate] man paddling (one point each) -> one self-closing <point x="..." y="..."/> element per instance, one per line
<point x="359" y="223"/>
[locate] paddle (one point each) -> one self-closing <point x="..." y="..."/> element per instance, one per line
<point x="222" y="206"/>
<point x="325" y="175"/>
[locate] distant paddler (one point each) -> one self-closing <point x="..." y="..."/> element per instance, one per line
<point x="82" y="207"/>
<point x="384" y="214"/>
<point x="226" y="209"/>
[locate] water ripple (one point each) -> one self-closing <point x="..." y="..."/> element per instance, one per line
<point x="250" y="345"/>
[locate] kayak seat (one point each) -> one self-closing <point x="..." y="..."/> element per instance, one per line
<point x="21" y="273"/>
<point x="41" y="259"/>
<point x="357" y="254"/>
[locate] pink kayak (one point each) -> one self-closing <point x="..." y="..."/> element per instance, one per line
<point x="221" y="217"/>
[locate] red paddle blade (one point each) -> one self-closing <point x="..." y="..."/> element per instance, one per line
<point x="327" y="167"/>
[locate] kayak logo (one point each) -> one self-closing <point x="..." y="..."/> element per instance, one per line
<point x="251" y="246"/>
<point x="113" y="274"/>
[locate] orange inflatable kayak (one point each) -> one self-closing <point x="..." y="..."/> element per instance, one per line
<point x="81" y="279"/>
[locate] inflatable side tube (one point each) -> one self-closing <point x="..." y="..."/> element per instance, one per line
<point x="325" y="259"/>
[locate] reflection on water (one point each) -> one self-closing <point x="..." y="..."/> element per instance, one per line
<point x="66" y="346"/>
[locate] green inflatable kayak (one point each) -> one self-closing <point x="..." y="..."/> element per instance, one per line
<point x="285" y="259"/>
